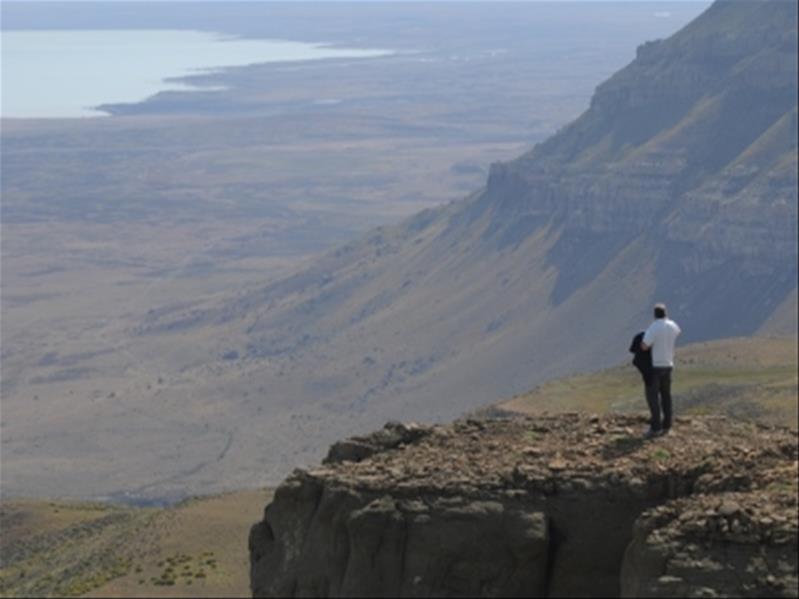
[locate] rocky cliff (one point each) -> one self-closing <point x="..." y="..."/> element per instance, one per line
<point x="565" y="505"/>
<point x="692" y="147"/>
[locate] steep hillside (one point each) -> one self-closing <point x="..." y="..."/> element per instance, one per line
<point x="564" y="506"/>
<point x="690" y="150"/>
<point x="677" y="184"/>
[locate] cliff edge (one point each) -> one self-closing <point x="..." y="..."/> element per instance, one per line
<point x="567" y="505"/>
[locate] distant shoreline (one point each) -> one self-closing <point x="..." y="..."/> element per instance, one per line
<point x="96" y="69"/>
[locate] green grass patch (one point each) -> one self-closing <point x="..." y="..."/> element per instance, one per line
<point x="661" y="454"/>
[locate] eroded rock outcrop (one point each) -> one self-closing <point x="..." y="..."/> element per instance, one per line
<point x="565" y="505"/>
<point x="392" y="435"/>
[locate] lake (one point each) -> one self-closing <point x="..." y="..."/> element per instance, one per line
<point x="57" y="73"/>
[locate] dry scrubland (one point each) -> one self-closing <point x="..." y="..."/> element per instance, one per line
<point x="65" y="548"/>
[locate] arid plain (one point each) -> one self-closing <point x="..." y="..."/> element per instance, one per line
<point x="109" y="222"/>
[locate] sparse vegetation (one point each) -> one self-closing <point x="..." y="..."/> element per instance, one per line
<point x="750" y="378"/>
<point x="661" y="454"/>
<point x="71" y="549"/>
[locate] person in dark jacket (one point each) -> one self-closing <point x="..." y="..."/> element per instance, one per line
<point x="642" y="359"/>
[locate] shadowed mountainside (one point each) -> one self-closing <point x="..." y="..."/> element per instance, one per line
<point x="679" y="183"/>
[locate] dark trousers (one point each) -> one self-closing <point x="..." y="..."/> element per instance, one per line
<point x="658" y="394"/>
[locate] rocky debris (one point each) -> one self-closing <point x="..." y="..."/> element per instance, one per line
<point x="392" y="435"/>
<point x="547" y="506"/>
<point x="735" y="544"/>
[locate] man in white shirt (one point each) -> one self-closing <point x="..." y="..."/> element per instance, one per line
<point x="660" y="338"/>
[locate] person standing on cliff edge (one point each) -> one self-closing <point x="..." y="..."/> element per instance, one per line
<point x="660" y="338"/>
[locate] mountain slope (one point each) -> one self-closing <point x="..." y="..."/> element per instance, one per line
<point x="677" y="184"/>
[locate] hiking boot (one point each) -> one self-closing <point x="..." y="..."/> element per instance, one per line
<point x="652" y="433"/>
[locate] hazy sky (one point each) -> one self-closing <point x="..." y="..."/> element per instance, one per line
<point x="660" y="1"/>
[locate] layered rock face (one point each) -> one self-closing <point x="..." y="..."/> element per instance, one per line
<point x="692" y="148"/>
<point x="708" y="115"/>
<point x="566" y="505"/>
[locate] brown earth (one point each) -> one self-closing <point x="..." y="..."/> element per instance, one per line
<point x="567" y="505"/>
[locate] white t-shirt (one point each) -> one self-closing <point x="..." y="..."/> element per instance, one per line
<point x="660" y="336"/>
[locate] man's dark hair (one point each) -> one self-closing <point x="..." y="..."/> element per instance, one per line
<point x="660" y="310"/>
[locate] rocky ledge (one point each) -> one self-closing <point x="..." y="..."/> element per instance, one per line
<point x="567" y="505"/>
